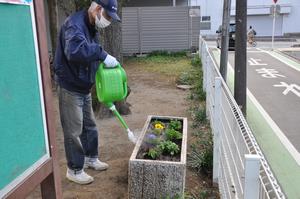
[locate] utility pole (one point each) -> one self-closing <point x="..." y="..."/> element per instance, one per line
<point x="225" y="38"/>
<point x="240" y="71"/>
<point x="274" y="19"/>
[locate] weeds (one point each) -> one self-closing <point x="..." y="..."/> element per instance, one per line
<point x="200" y="157"/>
<point x="196" y="61"/>
<point x="200" y="115"/>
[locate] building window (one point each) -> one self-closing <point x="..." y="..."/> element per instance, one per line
<point x="205" y="18"/>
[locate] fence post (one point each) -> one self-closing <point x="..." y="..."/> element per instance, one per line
<point x="208" y="88"/>
<point x="200" y="45"/>
<point x="204" y="66"/>
<point x="252" y="167"/>
<point x="217" y="128"/>
<point x="139" y="27"/>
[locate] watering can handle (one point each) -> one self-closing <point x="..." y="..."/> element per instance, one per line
<point x="124" y="82"/>
<point x="102" y="65"/>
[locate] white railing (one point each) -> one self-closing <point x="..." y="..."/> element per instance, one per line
<point x="240" y="169"/>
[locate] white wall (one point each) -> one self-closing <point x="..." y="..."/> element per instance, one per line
<point x="212" y="9"/>
<point x="258" y="15"/>
<point x="263" y="25"/>
<point x="291" y="22"/>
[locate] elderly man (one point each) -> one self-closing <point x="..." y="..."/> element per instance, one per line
<point x="76" y="61"/>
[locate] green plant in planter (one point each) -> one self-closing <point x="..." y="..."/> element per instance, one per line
<point x="175" y="124"/>
<point x="158" y="127"/>
<point x="172" y="134"/>
<point x="169" y="147"/>
<point x="154" y="153"/>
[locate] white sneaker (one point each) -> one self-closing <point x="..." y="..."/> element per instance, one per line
<point x="95" y="164"/>
<point x="79" y="177"/>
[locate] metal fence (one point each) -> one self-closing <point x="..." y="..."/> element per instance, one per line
<point x="146" y="29"/>
<point x="240" y="168"/>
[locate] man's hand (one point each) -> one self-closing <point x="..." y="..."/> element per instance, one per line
<point x="110" y="61"/>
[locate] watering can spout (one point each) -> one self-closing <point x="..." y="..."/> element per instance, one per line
<point x="111" y="86"/>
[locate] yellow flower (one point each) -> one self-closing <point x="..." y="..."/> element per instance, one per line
<point x="159" y="126"/>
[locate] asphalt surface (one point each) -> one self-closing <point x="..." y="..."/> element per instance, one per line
<point x="273" y="107"/>
<point x="276" y="86"/>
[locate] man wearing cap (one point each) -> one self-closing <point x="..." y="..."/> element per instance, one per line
<point x="76" y="61"/>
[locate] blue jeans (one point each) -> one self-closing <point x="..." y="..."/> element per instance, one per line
<point x="79" y="127"/>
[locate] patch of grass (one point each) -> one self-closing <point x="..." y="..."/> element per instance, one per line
<point x="162" y="63"/>
<point x="194" y="76"/>
<point x="167" y="53"/>
<point x="187" y="77"/>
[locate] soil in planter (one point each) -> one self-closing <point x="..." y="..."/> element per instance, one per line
<point x="146" y="145"/>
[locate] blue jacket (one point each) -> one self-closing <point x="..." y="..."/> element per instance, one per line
<point x="77" y="54"/>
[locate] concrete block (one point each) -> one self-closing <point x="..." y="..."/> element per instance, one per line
<point x="151" y="179"/>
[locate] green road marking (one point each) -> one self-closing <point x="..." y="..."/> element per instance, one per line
<point x="284" y="59"/>
<point x="284" y="166"/>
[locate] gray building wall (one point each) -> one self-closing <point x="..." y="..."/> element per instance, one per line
<point x="146" y="29"/>
<point x="146" y="3"/>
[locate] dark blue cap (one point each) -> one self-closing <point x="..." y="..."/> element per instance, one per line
<point x="111" y="8"/>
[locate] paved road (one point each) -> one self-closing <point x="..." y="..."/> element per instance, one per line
<point x="266" y="45"/>
<point x="273" y="111"/>
<point x="276" y="86"/>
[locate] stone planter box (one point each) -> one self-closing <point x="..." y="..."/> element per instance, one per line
<point x="150" y="179"/>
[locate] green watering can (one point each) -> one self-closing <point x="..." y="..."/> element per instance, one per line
<point x="111" y="86"/>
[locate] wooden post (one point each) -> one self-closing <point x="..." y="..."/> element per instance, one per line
<point x="51" y="185"/>
<point x="240" y="65"/>
<point x="225" y="38"/>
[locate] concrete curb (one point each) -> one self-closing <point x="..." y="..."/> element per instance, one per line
<point x="288" y="39"/>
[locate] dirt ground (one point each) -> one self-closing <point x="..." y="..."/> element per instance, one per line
<point x="151" y="94"/>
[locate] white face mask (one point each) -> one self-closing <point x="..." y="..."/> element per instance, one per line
<point x="102" y="22"/>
